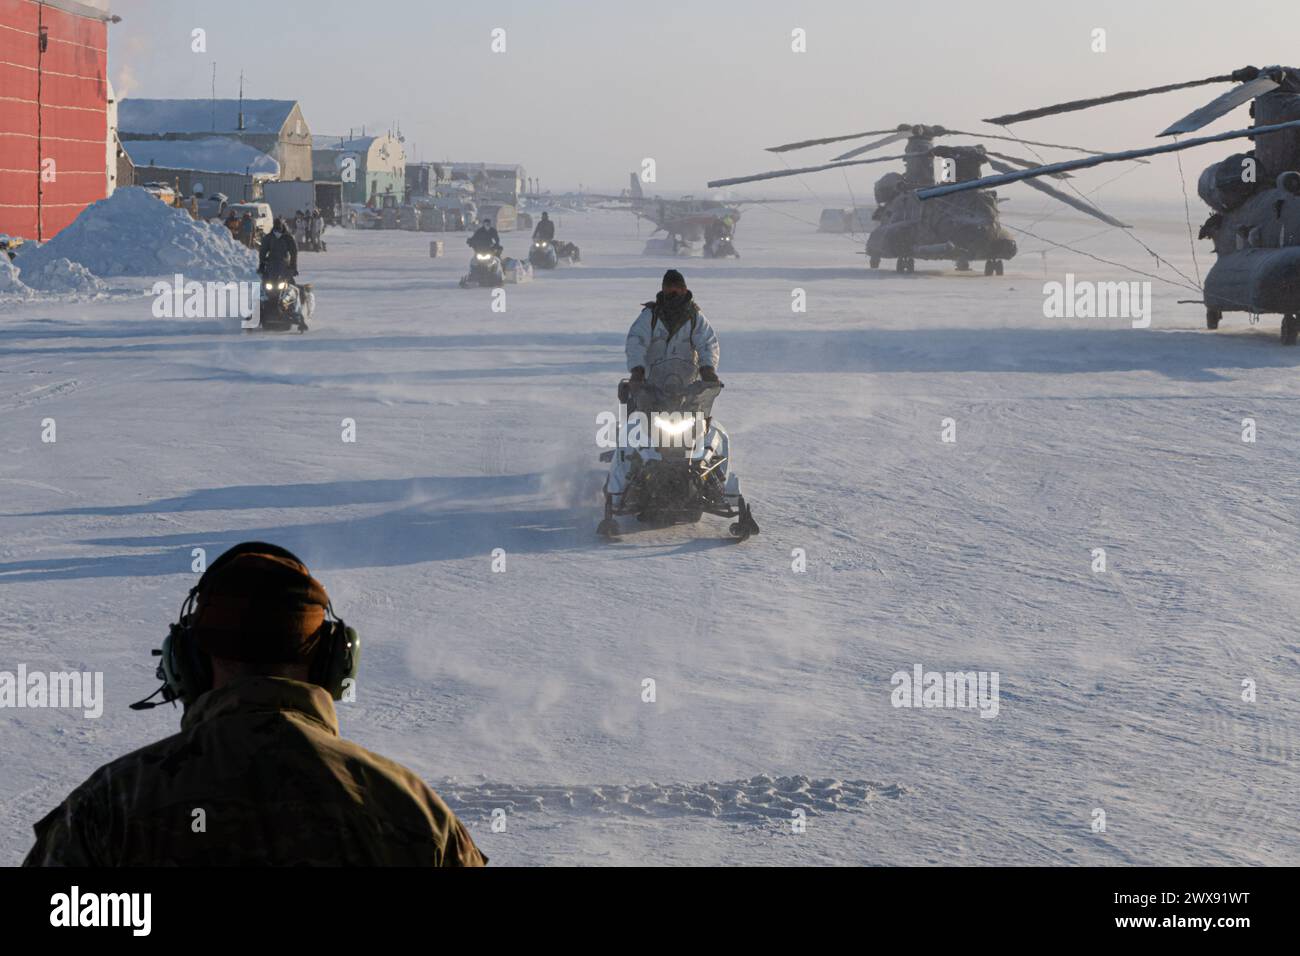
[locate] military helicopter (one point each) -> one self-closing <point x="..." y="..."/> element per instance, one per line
<point x="961" y="230"/>
<point x="1254" y="197"/>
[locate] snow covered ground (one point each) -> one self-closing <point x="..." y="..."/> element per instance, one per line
<point x="1119" y="691"/>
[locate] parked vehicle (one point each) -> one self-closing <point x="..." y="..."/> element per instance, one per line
<point x="286" y="198"/>
<point x="161" y="191"/>
<point x="263" y="218"/>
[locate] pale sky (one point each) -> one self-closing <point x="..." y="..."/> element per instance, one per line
<point x="586" y="90"/>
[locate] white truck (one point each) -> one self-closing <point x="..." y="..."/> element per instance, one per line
<point x="287" y="198"/>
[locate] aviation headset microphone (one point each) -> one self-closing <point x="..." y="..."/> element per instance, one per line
<point x="186" y="669"/>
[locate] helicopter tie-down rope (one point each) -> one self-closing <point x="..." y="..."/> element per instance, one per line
<point x="1188" y="281"/>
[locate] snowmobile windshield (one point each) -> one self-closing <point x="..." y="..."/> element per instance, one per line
<point x="698" y="397"/>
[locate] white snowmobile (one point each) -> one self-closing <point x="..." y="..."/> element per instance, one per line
<point x="485" y="270"/>
<point x="672" y="464"/>
<point x="548" y="253"/>
<point x="283" y="304"/>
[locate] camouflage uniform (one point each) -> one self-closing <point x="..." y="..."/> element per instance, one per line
<point x="262" y="757"/>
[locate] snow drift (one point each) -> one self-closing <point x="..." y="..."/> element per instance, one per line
<point x="64" y="277"/>
<point x="10" y="284"/>
<point x="131" y="233"/>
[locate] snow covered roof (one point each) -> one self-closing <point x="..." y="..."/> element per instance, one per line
<point x="214" y="154"/>
<point x="352" y="144"/>
<point x="357" y="144"/>
<point x="156" y="117"/>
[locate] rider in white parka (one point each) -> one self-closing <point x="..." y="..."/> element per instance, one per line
<point x="670" y="340"/>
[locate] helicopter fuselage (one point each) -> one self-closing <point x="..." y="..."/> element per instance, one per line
<point x="962" y="228"/>
<point x="1255" y="225"/>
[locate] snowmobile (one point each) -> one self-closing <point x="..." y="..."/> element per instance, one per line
<point x="485" y="269"/>
<point x="548" y="253"/>
<point x="543" y="254"/>
<point x="284" y="304"/>
<point x="720" y="247"/>
<point x="672" y="464"/>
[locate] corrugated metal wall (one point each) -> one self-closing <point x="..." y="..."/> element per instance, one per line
<point x="53" y="111"/>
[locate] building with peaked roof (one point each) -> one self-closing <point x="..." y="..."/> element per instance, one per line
<point x="273" y="127"/>
<point x="368" y="167"/>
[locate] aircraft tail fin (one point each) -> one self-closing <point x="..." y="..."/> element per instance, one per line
<point x="636" y="186"/>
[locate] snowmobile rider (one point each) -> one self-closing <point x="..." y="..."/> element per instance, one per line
<point x="485" y="238"/>
<point x="545" y="228"/>
<point x="259" y="749"/>
<point x="279" y="252"/>
<point x="672" y="334"/>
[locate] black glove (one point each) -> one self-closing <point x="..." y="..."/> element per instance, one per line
<point x="707" y="374"/>
<point x="638" y="374"/>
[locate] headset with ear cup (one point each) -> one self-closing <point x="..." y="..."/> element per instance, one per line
<point x="186" y="669"/>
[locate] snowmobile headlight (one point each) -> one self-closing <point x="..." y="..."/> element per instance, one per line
<point x="674" y="428"/>
<point x="282" y="285"/>
<point x="482" y="256"/>
<point x="270" y="285"/>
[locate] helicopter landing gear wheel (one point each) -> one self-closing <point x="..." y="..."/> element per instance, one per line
<point x="905" y="264"/>
<point x="963" y="265"/>
<point x="1290" y="328"/>
<point x="993" y="267"/>
<point x="1212" y="318"/>
<point x="874" y="262"/>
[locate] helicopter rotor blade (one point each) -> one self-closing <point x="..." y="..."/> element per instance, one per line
<point x="1074" y="105"/>
<point x="1222" y="105"/>
<point x="1029" y="142"/>
<point x="778" y="173"/>
<point x="1086" y="162"/>
<point x="1069" y="200"/>
<point x="1026" y="163"/>
<point x="875" y="144"/>
<point x="804" y="144"/>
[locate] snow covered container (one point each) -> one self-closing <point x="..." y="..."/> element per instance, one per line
<point x="53" y="113"/>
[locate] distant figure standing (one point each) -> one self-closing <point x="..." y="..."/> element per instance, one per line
<point x="248" y="230"/>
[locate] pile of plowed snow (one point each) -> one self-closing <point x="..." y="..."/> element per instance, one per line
<point x="64" y="277"/>
<point x="131" y="233"/>
<point x="10" y="284"/>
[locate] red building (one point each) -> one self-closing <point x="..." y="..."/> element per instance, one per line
<point x="53" y="113"/>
